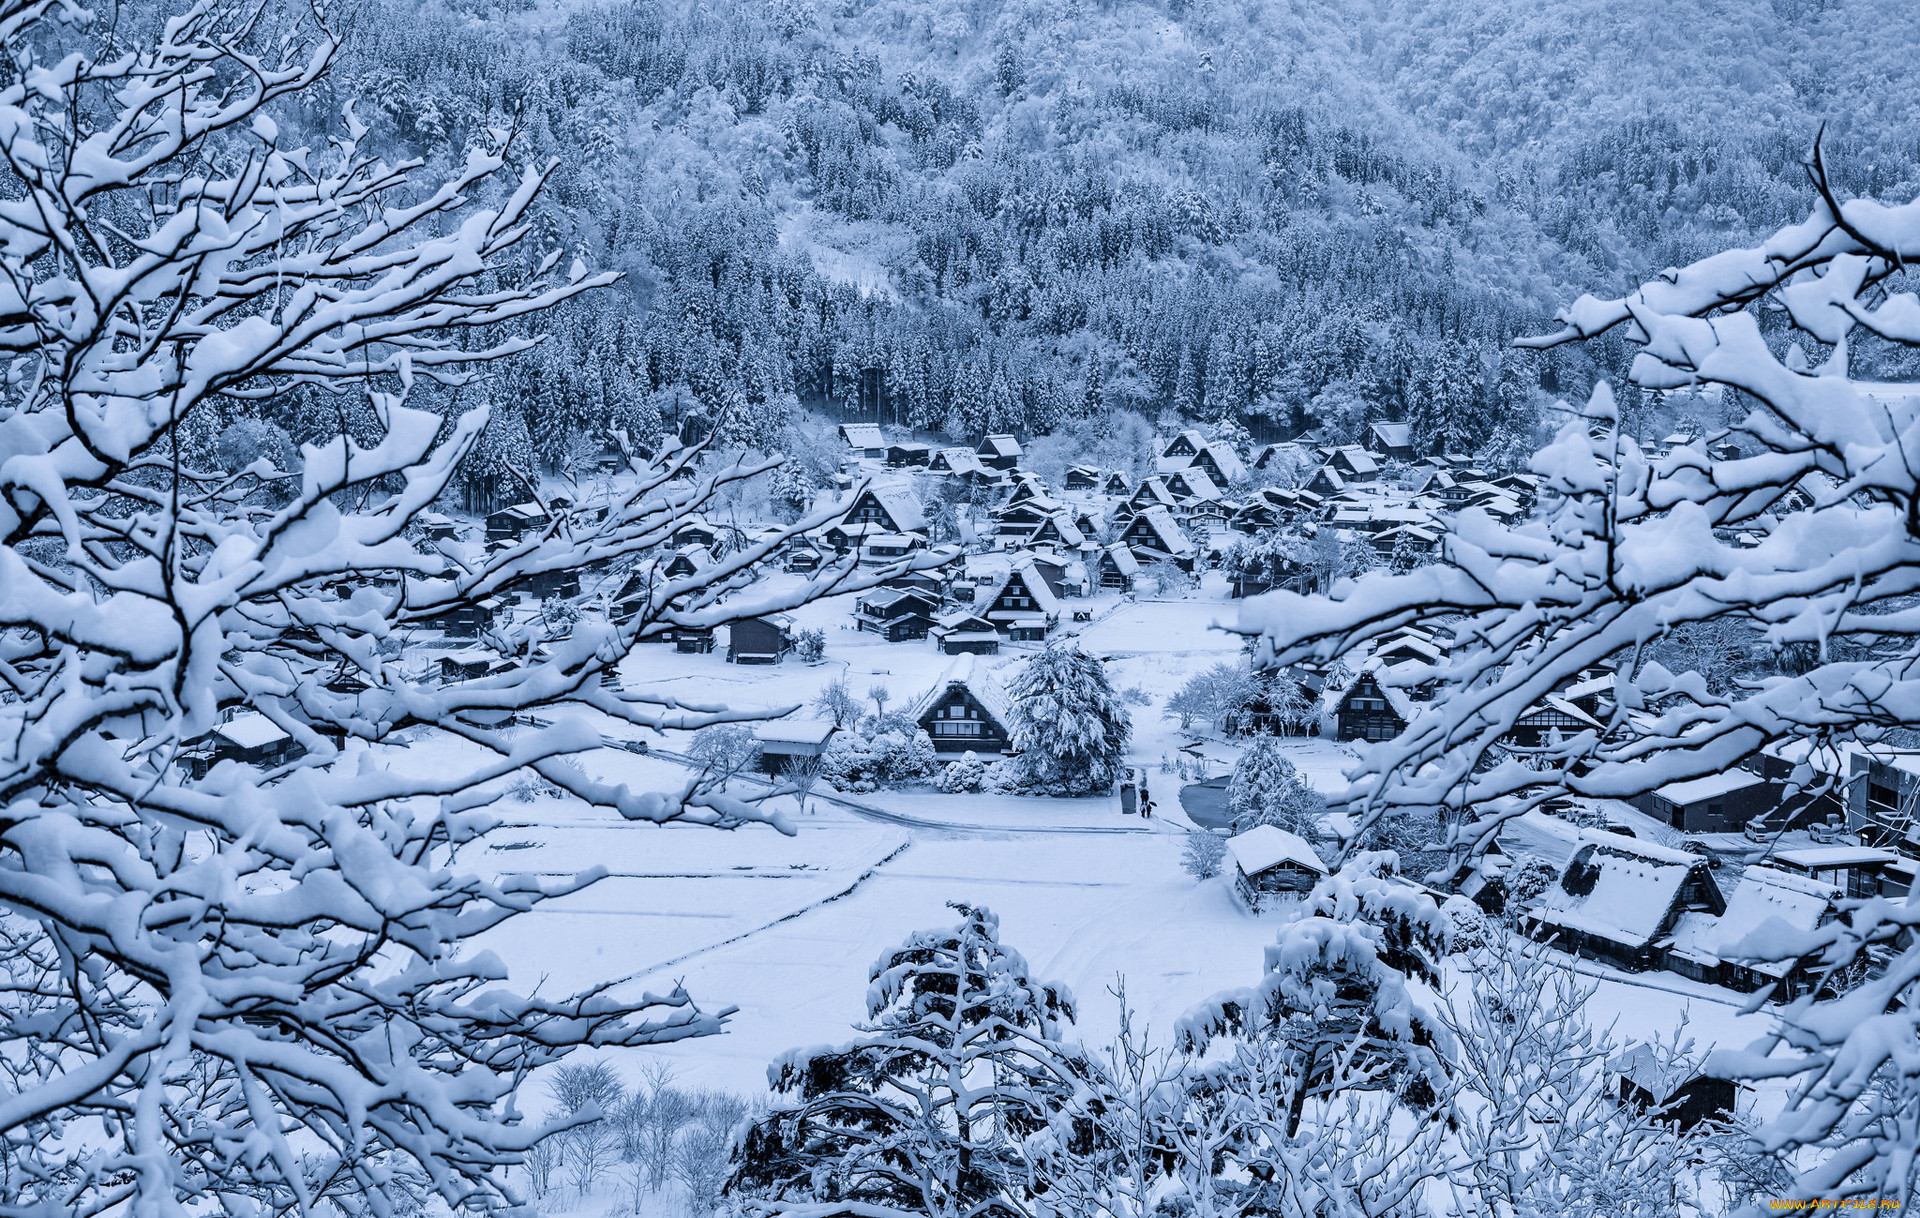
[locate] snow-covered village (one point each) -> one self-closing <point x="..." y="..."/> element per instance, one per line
<point x="863" y="609"/>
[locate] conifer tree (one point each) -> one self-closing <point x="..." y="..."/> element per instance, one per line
<point x="962" y="1061"/>
<point x="1068" y="723"/>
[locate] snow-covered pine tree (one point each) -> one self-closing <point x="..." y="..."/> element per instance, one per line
<point x="1335" y="992"/>
<point x="1068" y="722"/>
<point x="246" y="984"/>
<point x="1266" y="789"/>
<point x="1632" y="549"/>
<point x="928" y="1114"/>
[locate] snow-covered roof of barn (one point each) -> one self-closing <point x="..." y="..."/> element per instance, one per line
<point x="1043" y="594"/>
<point x="251" y="730"/>
<point x="1693" y="790"/>
<point x="863" y="435"/>
<point x="1174" y="539"/>
<point x="1766" y="902"/>
<point x="978" y="681"/>
<point x="1000" y="445"/>
<point x="794" y="731"/>
<point x="962" y="460"/>
<point x="1231" y="467"/>
<point x="1200" y="483"/>
<point x="1395" y="435"/>
<point x="1264" y="847"/>
<point x="1634" y="888"/>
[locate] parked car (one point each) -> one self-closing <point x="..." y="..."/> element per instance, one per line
<point x="1691" y="846"/>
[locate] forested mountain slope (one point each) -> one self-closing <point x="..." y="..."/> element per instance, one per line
<point x="996" y="216"/>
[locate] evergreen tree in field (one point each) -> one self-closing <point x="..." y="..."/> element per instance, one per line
<point x="1266" y="789"/>
<point x="960" y="1068"/>
<point x="1335" y="993"/>
<point x="1068" y="723"/>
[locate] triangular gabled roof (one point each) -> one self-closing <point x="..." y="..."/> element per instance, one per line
<point x="1393" y="435"/>
<point x="902" y="509"/>
<point x="1036" y="584"/>
<point x="1231" y="467"/>
<point x="1623" y="889"/>
<point x="978" y="681"/>
<point x="1173" y="538"/>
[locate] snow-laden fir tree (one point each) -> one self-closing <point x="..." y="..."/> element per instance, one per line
<point x="928" y="1114"/>
<point x="1069" y="725"/>
<point x="1803" y="527"/>
<point x="229" y="987"/>
<point x="1335" y="992"/>
<point x="1266" y="789"/>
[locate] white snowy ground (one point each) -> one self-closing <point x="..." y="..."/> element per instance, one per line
<point x="786" y="927"/>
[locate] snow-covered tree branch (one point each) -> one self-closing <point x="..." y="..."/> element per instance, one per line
<point x="1805" y="532"/>
<point x="245" y="984"/>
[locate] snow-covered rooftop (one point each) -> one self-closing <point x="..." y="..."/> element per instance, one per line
<point x="1693" y="790"/>
<point x="1766" y="902"/>
<point x="1265" y="847"/>
<point x="250" y="730"/>
<point x="1816" y="858"/>
<point x="793" y="731"/>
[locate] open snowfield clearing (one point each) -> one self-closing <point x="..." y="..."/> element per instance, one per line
<point x="785" y="927"/>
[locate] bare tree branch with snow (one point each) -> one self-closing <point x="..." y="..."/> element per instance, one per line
<point x="246" y="985"/>
<point x="1809" y="535"/>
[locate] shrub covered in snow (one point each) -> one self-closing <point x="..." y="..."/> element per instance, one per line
<point x="1266" y="789"/>
<point x="855" y="762"/>
<point x="1468" y="921"/>
<point x="962" y="1070"/>
<point x="1531" y="878"/>
<point x="967" y="774"/>
<point x="1203" y="854"/>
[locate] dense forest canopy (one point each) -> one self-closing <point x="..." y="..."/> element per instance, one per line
<point x="988" y="216"/>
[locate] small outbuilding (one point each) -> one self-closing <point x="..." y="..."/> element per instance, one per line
<point x="1717" y="803"/>
<point x="1685" y="1098"/>
<point x="1271" y="864"/>
<point x="759" y="640"/>
<point x="964" y="633"/>
<point x="783" y="741"/>
<point x="908" y="454"/>
<point x="865" y="439"/>
<point x="999" y="451"/>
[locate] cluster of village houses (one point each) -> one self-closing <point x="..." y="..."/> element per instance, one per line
<point x="1632" y="902"/>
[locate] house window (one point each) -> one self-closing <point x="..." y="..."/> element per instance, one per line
<point x="1885" y="796"/>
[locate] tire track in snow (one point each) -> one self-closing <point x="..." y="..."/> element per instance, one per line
<point x="789" y="916"/>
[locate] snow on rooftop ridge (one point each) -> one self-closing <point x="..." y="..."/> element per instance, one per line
<point x="1265" y="847"/>
<point x="1693" y="790"/>
<point x="793" y="731"/>
<point x="1620" y="844"/>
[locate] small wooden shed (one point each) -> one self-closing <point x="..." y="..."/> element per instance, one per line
<point x="1271" y="864"/>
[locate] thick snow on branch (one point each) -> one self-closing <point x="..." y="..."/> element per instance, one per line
<point x="1806" y="532"/>
<point x="251" y="976"/>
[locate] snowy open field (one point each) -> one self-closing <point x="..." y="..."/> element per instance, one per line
<point x="785" y="927"/>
